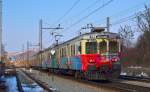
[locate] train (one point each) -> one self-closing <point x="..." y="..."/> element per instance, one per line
<point x="94" y="56"/>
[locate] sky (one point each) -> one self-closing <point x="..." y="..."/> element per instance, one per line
<point x="21" y="18"/>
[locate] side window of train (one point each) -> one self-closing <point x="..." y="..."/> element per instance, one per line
<point x="48" y="56"/>
<point x="62" y="52"/>
<point x="72" y="50"/>
<point x="113" y="46"/>
<point x="79" y="49"/>
<point x="64" y="49"/>
<point x="68" y="50"/>
<point x="103" y="46"/>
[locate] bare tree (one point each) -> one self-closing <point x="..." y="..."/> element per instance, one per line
<point x="143" y="43"/>
<point x="143" y="20"/>
<point x="127" y="34"/>
<point x="140" y="54"/>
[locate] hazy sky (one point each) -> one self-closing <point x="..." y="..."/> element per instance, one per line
<point x="21" y="17"/>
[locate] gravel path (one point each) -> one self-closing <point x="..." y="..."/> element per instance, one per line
<point x="65" y="85"/>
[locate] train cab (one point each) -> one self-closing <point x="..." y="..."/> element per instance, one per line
<point x="100" y="54"/>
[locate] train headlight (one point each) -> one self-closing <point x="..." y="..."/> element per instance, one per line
<point x="91" y="61"/>
<point x="114" y="59"/>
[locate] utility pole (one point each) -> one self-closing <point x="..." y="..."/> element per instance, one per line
<point x="41" y="28"/>
<point x="108" y="24"/>
<point x="27" y="53"/>
<point x="40" y="35"/>
<point x="23" y="52"/>
<point x="40" y="39"/>
<point x="0" y="30"/>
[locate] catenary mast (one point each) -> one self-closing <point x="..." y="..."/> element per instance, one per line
<point x="0" y="30"/>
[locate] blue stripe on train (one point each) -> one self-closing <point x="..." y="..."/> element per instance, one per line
<point x="76" y="63"/>
<point x="73" y="63"/>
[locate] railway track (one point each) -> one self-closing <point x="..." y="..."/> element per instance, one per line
<point x="118" y="84"/>
<point x="131" y="86"/>
<point x="46" y="88"/>
<point x="121" y="85"/>
<point x="106" y="84"/>
<point x="134" y="78"/>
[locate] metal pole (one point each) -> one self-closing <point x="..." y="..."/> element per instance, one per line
<point x="108" y="24"/>
<point x="40" y="40"/>
<point x="0" y="30"/>
<point x="52" y="56"/>
<point x="27" y="53"/>
<point x="40" y="35"/>
<point x="23" y="52"/>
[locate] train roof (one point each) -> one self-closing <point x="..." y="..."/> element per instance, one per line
<point x="97" y="32"/>
<point x="83" y="36"/>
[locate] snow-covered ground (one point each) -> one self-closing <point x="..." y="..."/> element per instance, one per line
<point x="136" y="71"/>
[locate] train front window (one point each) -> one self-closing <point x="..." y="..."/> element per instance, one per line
<point x="113" y="47"/>
<point x="91" y="47"/>
<point x="103" y="47"/>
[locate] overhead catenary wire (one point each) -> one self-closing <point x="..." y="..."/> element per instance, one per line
<point x="48" y="41"/>
<point x="129" y="9"/>
<point x="95" y="10"/>
<point x="124" y="20"/>
<point x="67" y="12"/>
<point x="114" y="23"/>
<point x="131" y="17"/>
<point x="85" y="9"/>
<point x="123" y="11"/>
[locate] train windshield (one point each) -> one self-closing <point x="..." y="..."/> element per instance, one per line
<point x="91" y="47"/>
<point x="103" y="47"/>
<point x="113" y="46"/>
